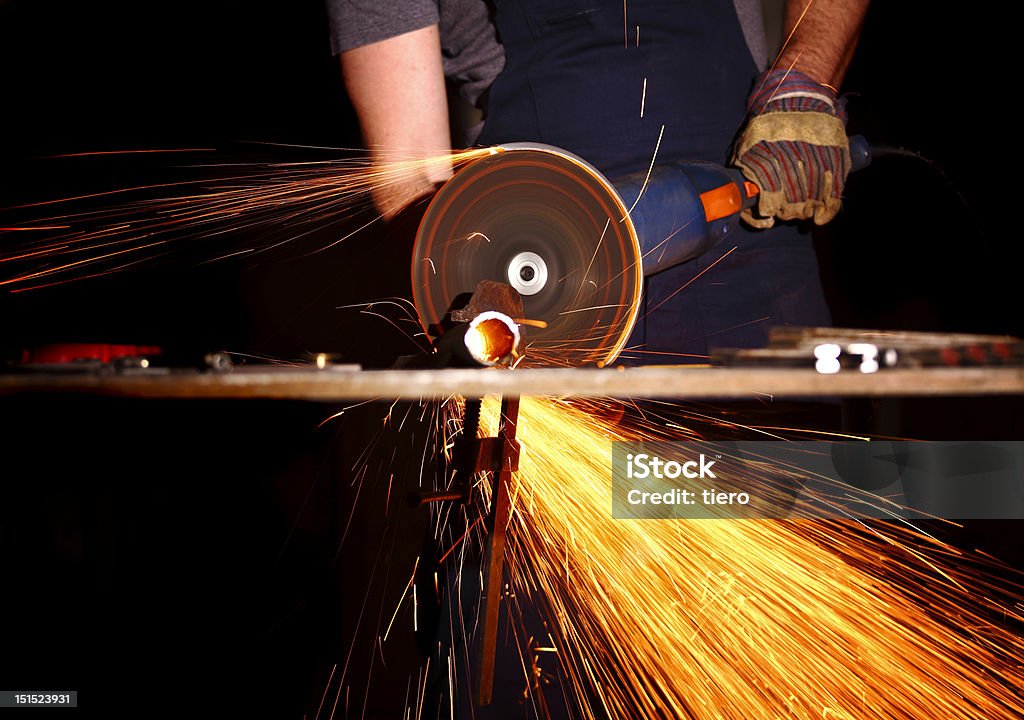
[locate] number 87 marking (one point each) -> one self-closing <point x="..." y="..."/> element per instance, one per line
<point x="828" y="354"/>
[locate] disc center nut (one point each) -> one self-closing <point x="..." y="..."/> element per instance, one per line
<point x="527" y="273"/>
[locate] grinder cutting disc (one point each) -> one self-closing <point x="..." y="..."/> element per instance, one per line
<point x="551" y="226"/>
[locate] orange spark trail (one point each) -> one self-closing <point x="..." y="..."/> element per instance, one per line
<point x="747" y="619"/>
<point x="275" y="203"/>
<point x="150" y="151"/>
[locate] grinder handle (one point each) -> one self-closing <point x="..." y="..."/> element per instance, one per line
<point x="682" y="209"/>
<point x="860" y="158"/>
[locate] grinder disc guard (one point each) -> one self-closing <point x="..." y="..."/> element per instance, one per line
<point x="551" y="226"/>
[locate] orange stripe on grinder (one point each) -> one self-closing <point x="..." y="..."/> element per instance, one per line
<point x="722" y="202"/>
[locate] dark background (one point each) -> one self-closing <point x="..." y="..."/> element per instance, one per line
<point x="165" y="549"/>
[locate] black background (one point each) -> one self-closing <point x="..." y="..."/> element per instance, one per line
<point x="161" y="539"/>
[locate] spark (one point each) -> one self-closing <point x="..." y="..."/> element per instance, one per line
<point x="670" y="354"/>
<point x="531" y="322"/>
<point x="270" y="359"/>
<point x="827" y="433"/>
<point x="31" y="229"/>
<point x="650" y="169"/>
<point x="690" y="619"/>
<point x="586" y="309"/>
<point x="423" y="690"/>
<point x="790" y="69"/>
<point x="68" y="266"/>
<point x="345" y="409"/>
<point x="334" y="668"/>
<point x="389" y="321"/>
<point x="643" y="100"/>
<point x="461" y="538"/>
<point x="625" y="26"/>
<point x="411" y="585"/>
<point x="405" y="305"/>
<point x="593" y="257"/>
<point x="270" y="204"/>
<point x="96" y="153"/>
<point x="694" y="279"/>
<point x="785" y="45"/>
<point x="789" y="38"/>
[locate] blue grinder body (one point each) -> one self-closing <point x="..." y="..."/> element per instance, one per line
<point x="686" y="208"/>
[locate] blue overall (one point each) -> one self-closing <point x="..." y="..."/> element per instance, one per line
<point x="576" y="77"/>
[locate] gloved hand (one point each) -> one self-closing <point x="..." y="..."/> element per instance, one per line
<point x="794" y="147"/>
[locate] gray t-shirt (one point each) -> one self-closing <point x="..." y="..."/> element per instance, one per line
<point x="472" y="55"/>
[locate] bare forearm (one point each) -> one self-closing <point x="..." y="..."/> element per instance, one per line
<point x="821" y="36"/>
<point x="397" y="89"/>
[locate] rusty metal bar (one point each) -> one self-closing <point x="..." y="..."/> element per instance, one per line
<point x="497" y="524"/>
<point x="685" y="382"/>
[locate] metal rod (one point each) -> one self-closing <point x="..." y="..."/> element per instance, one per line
<point x="497" y="524"/>
<point x="646" y="382"/>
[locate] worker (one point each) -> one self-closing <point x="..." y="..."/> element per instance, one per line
<point x="605" y="80"/>
<point x="614" y="83"/>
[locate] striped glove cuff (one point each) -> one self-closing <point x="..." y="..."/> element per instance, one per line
<point x="783" y="90"/>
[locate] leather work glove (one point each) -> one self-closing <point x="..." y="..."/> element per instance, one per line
<point x="794" y="147"/>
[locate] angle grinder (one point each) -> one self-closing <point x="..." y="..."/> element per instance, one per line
<point x="575" y="245"/>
